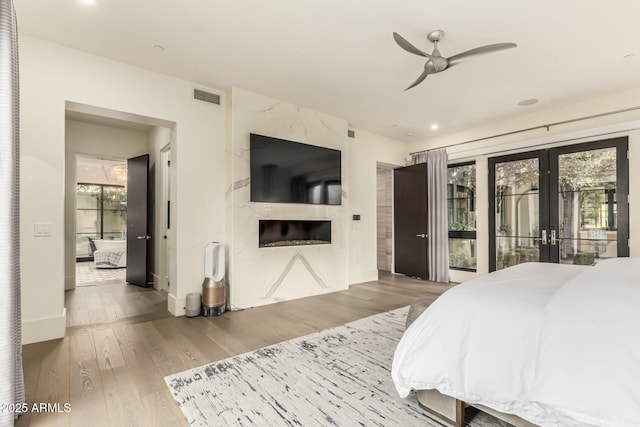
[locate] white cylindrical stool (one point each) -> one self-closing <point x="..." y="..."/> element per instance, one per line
<point x="193" y="305"/>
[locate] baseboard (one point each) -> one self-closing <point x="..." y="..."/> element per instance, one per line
<point x="157" y="283"/>
<point x="363" y="276"/>
<point x="176" y="306"/>
<point x="459" y="276"/>
<point x="69" y="283"/>
<point x="50" y="328"/>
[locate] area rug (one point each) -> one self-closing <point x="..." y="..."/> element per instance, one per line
<point x="337" y="377"/>
<point x="88" y="275"/>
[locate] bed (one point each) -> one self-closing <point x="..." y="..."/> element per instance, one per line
<point x="535" y="344"/>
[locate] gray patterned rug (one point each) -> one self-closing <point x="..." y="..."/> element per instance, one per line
<point x="337" y="377"/>
<point x="88" y="275"/>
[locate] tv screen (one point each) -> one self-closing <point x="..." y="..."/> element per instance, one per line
<point x="290" y="172"/>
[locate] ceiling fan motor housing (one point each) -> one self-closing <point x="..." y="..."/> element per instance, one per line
<point x="438" y="63"/>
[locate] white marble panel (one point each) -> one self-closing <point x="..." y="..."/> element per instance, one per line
<point x="261" y="276"/>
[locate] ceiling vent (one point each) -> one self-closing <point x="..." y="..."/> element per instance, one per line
<point x="351" y="133"/>
<point x="209" y="97"/>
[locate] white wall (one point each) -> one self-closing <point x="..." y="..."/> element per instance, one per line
<point x="365" y="151"/>
<point x="93" y="140"/>
<point x="622" y="124"/>
<point x="50" y="75"/>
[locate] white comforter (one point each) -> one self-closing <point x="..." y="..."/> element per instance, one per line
<point x="557" y="345"/>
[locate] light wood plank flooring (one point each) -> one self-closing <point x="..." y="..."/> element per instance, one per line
<point x="121" y="341"/>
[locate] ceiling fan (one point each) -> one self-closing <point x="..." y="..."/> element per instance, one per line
<point x="436" y="62"/>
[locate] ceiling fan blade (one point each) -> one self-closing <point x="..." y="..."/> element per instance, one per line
<point x="419" y="80"/>
<point x="456" y="59"/>
<point x="408" y="46"/>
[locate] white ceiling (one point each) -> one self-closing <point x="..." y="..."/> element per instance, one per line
<point x="339" y="57"/>
<point x="107" y="121"/>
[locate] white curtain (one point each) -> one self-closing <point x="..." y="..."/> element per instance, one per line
<point x="420" y="157"/>
<point x="437" y="222"/>
<point x="11" y="380"/>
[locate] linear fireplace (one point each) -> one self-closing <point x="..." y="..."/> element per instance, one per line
<point x="275" y="233"/>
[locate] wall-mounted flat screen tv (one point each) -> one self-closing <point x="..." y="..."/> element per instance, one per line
<point x="290" y="172"/>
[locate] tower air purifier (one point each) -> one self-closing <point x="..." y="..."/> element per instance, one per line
<point x="213" y="292"/>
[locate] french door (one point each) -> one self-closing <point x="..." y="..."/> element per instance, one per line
<point x="565" y="205"/>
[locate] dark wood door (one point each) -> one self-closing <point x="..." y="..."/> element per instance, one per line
<point x="138" y="224"/>
<point x="410" y="220"/>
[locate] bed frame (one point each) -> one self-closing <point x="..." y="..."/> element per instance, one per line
<point x="452" y="410"/>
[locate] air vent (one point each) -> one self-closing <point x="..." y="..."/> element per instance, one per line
<point x="206" y="96"/>
<point x="351" y="133"/>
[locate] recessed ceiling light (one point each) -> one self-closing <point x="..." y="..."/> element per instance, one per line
<point x="409" y="133"/>
<point x="88" y="1"/>
<point x="629" y="56"/>
<point x="158" y="47"/>
<point x="434" y="126"/>
<point x="527" y="102"/>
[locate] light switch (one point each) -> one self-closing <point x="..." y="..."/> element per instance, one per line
<point x="42" y="230"/>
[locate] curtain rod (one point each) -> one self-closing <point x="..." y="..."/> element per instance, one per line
<point x="547" y="126"/>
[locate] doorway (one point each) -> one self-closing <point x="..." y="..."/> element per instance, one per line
<point x="100" y="220"/>
<point x="384" y="217"/>
<point x="564" y="205"/>
<point x="109" y="135"/>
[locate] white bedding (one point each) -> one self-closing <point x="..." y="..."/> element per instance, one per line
<point x="555" y="344"/>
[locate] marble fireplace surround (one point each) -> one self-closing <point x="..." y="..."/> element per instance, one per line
<point x="283" y="232"/>
<point x="266" y="275"/>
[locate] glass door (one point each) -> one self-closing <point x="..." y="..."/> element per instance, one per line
<point x="566" y="205"/>
<point x="518" y="200"/>
<point x="589" y="186"/>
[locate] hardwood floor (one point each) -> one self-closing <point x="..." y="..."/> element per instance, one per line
<point x="121" y="341"/>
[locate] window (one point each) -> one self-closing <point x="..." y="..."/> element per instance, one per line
<point x="101" y="213"/>
<point x="461" y="212"/>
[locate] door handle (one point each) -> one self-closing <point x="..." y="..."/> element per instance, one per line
<point x="553" y="237"/>
<point x="542" y="239"/>
<point x="143" y="237"/>
<point x="422" y="236"/>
